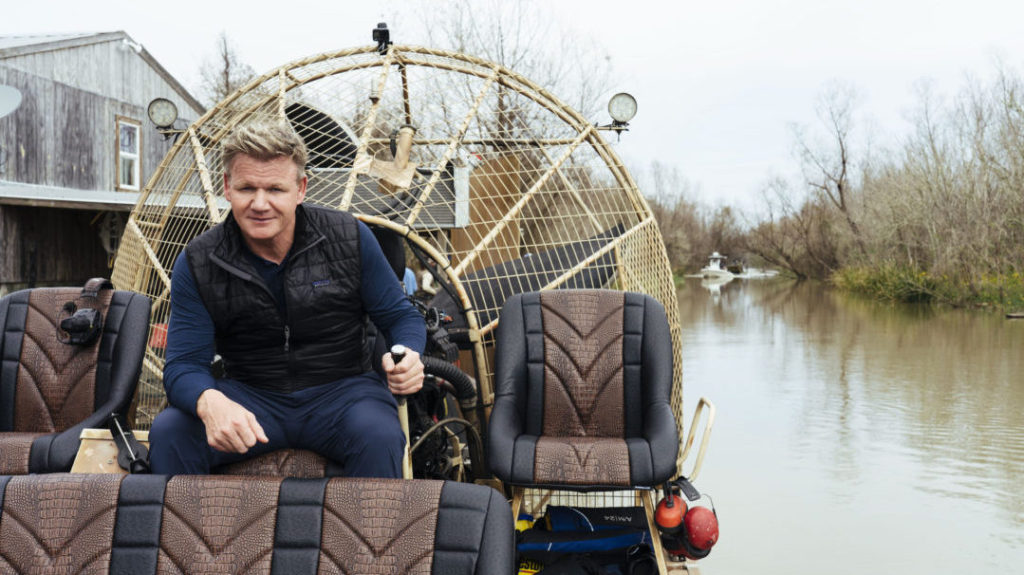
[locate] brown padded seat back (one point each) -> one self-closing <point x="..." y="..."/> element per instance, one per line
<point x="147" y="524"/>
<point x="53" y="390"/>
<point x="57" y="381"/>
<point x="582" y="363"/>
<point x="224" y="526"/>
<point x="583" y="390"/>
<point x="582" y="386"/>
<point x="388" y="529"/>
<point x="58" y="523"/>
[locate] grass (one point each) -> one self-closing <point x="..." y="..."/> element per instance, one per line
<point x="679" y="278"/>
<point x="909" y="285"/>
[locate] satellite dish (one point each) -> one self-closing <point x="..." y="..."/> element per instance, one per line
<point x="10" y="99"/>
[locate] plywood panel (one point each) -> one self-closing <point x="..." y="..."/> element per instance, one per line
<point x="494" y="187"/>
<point x="74" y="160"/>
<point x="29" y="133"/>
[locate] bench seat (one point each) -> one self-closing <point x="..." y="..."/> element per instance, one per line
<point x="110" y="523"/>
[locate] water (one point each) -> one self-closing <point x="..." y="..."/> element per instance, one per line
<point x="854" y="436"/>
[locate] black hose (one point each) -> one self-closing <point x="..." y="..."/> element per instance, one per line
<point x="476" y="452"/>
<point x="465" y="386"/>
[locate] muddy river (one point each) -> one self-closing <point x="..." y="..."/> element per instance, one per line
<point x="854" y="436"/>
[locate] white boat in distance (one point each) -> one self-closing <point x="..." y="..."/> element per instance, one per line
<point x="715" y="269"/>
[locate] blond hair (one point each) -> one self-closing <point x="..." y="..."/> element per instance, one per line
<point x="264" y="140"/>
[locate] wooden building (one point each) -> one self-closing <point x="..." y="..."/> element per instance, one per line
<point x="77" y="151"/>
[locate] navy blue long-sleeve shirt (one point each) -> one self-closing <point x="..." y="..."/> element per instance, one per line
<point x="190" y="334"/>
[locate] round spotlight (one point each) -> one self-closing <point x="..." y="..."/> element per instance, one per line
<point x="622" y="107"/>
<point x="162" y="112"/>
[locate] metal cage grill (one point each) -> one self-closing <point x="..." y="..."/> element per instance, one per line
<point x="498" y="175"/>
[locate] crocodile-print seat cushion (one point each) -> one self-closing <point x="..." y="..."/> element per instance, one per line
<point x="388" y="529"/>
<point x="283" y="463"/>
<point x="581" y="461"/>
<point x="220" y="526"/>
<point x="583" y="380"/>
<point x="58" y="523"/>
<point x="583" y="384"/>
<point x="57" y="381"/>
<point x="141" y="524"/>
<point x="15" y="448"/>
<point x="55" y="389"/>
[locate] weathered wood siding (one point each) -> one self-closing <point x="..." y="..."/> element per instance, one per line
<point x="64" y="136"/>
<point x="43" y="246"/>
<point x="111" y="69"/>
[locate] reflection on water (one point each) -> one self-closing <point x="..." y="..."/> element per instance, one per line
<point x="854" y="436"/>
<point x="714" y="285"/>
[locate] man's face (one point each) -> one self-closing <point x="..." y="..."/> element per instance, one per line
<point x="263" y="197"/>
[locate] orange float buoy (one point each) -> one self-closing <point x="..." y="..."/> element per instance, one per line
<point x="698" y="534"/>
<point x="669" y="514"/>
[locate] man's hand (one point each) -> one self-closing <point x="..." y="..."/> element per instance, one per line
<point x="406" y="377"/>
<point x="230" y="427"/>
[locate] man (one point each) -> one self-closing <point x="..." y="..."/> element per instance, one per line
<point x="281" y="291"/>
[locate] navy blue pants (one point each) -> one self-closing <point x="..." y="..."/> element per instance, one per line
<point x="353" y="421"/>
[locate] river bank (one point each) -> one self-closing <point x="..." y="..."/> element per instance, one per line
<point x="999" y="293"/>
<point x="1003" y="292"/>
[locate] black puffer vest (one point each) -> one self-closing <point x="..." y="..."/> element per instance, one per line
<point x="323" y="334"/>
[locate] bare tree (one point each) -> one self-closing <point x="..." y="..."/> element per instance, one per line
<point x="827" y="169"/>
<point x="723" y="233"/>
<point x="769" y="239"/>
<point x="223" y="72"/>
<point x="784" y="236"/>
<point x="678" y="217"/>
<point x="524" y="36"/>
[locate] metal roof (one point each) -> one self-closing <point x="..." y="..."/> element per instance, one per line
<point x="8" y="42"/>
<point x="17" y="193"/>
<point x="11" y="46"/>
<point x="20" y="194"/>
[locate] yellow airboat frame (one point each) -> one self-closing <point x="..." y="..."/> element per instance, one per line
<point x="553" y="178"/>
<point x="541" y="176"/>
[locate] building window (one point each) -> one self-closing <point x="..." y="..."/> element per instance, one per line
<point x="129" y="162"/>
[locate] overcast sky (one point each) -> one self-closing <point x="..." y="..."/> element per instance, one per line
<point x="719" y="84"/>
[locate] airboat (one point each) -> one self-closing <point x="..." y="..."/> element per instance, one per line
<point x="483" y="177"/>
<point x="715" y="271"/>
